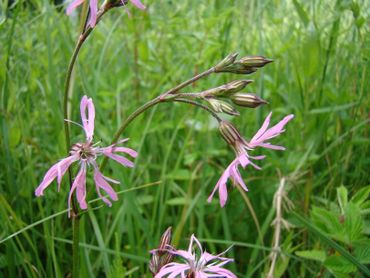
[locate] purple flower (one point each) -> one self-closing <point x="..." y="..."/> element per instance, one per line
<point x="196" y="264"/>
<point x="86" y="153"/>
<point x="241" y="148"/>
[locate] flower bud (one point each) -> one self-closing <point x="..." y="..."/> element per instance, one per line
<point x="227" y="89"/>
<point x="247" y="100"/>
<point x="239" y="69"/>
<point x="161" y="256"/>
<point x="230" y="134"/>
<point x="246" y="65"/>
<point x="226" y="62"/>
<point x="220" y="106"/>
<point x="254" y="61"/>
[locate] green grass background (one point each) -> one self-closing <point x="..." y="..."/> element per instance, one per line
<point x="320" y="73"/>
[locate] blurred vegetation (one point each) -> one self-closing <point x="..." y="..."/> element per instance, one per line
<point x="320" y="73"/>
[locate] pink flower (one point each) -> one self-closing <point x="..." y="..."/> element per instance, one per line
<point x="86" y="153"/>
<point x="241" y="147"/>
<point x="196" y="264"/>
<point x="232" y="172"/>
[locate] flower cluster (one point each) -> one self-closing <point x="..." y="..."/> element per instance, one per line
<point x="85" y="154"/>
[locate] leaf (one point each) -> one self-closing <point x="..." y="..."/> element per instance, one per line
<point x="301" y="12"/>
<point x="348" y="256"/>
<point x="316" y="255"/>
<point x="361" y="196"/>
<point x="339" y="264"/>
<point x="353" y="223"/>
<point x="327" y="221"/>
<point x="342" y="195"/>
<point x="362" y="250"/>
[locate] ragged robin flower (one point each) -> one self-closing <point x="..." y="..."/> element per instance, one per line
<point x="85" y="154"/>
<point x="196" y="263"/>
<point x="241" y="148"/>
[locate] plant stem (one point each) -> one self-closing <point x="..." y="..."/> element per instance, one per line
<point x="200" y="106"/>
<point x="75" y="246"/>
<point x="188" y="82"/>
<point x="275" y="252"/>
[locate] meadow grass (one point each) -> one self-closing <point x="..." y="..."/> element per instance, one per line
<point x="320" y="74"/>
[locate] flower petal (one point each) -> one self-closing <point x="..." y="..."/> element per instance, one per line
<point x="80" y="184"/>
<point x="63" y="166"/>
<point x="129" y="151"/>
<point x="81" y="187"/>
<point x="87" y="105"/>
<point x="172" y="269"/>
<point x="120" y="159"/>
<point x="101" y="183"/>
<point x="138" y="4"/>
<point x="74" y="4"/>
<point x="56" y="171"/>
<point x="93" y="12"/>
<point x="263" y="127"/>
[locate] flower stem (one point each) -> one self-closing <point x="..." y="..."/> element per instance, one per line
<point x="188" y="82"/>
<point x="75" y="246"/>
<point x="85" y="32"/>
<point x="200" y="106"/>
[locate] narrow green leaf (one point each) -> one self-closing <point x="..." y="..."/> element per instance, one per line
<point x="301" y="12"/>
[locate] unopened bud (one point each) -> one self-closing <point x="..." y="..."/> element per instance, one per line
<point x="227" y="89"/>
<point x="161" y="256"/>
<point x="230" y="134"/>
<point x="226" y="62"/>
<point x="246" y="65"/>
<point x="239" y="69"/>
<point x="220" y="106"/>
<point x="247" y="100"/>
<point x="254" y="61"/>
